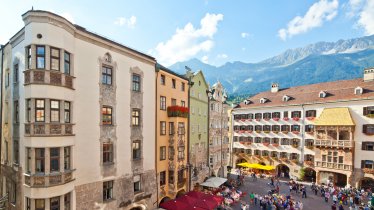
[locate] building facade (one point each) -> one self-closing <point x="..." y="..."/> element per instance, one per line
<point x="219" y="144"/>
<point x="322" y="130"/>
<point x="198" y="127"/>
<point x="74" y="134"/>
<point x="172" y="134"/>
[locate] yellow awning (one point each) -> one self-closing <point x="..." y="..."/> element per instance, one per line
<point x="335" y="116"/>
<point x="256" y="166"/>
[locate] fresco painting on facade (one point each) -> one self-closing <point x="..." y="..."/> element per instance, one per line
<point x="325" y="130"/>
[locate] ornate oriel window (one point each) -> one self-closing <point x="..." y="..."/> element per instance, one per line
<point x="106" y="112"/>
<point x="106" y="75"/>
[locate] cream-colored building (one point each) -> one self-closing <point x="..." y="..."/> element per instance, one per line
<point x="324" y="129"/>
<point x="74" y="134"/>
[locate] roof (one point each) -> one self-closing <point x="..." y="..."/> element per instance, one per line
<point x="308" y="94"/>
<point x="80" y="28"/>
<point x="163" y="68"/>
<point x="335" y="116"/>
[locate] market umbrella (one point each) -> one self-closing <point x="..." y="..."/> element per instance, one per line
<point x="174" y="205"/>
<point x="195" y="194"/>
<point x="196" y="208"/>
<point x="214" y="182"/>
<point x="206" y="204"/>
<point x="187" y="199"/>
<point x="216" y="198"/>
<point x="243" y="164"/>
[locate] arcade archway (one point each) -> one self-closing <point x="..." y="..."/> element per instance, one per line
<point x="310" y="175"/>
<point x="283" y="171"/>
<point x="367" y="183"/>
<point x="337" y="179"/>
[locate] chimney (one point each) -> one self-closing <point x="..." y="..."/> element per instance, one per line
<point x="369" y="74"/>
<point x="274" y="87"/>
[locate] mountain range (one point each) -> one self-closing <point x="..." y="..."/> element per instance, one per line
<point x="314" y="63"/>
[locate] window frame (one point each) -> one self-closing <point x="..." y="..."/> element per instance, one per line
<point x="39" y="109"/>
<point x="15" y="73"/>
<point x="40" y="159"/>
<point x="162" y="128"/>
<point x="107" y="115"/>
<point x="162" y="153"/>
<point x="67" y="62"/>
<point x="173" y="83"/>
<point x="136" y="150"/>
<point x="67" y="158"/>
<point x="138" y="183"/>
<point x="163" y="103"/>
<point x="136" y="83"/>
<point x="162" y="178"/>
<point x="51" y="58"/>
<point x="43" y="203"/>
<point x="16" y="111"/>
<point x="28" y="110"/>
<point x="40" y="56"/>
<point x="54" y="159"/>
<point x="162" y="79"/>
<point x="67" y="112"/>
<point x="183" y="88"/>
<point x="56" y="206"/>
<point x="29" y="58"/>
<point x="51" y="109"/>
<point x="108" y="190"/>
<point x="107" y="153"/>
<point x="135" y="117"/>
<point x="106" y="77"/>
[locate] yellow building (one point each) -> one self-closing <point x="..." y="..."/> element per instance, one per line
<point x="172" y="134"/>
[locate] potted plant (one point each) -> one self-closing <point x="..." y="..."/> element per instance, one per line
<point x="241" y="131"/>
<point x="177" y="111"/>
<point x="243" y="120"/>
<point x="242" y="142"/>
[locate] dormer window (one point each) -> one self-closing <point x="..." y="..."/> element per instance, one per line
<point x="263" y="100"/>
<point x="285" y="98"/>
<point x="246" y="102"/>
<point x="322" y="94"/>
<point x="358" y="90"/>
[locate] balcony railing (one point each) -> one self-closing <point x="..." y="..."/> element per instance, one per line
<point x="49" y="78"/>
<point x="48" y="129"/>
<point x="339" y="166"/>
<point x="334" y="143"/>
<point x="177" y="111"/>
<point x="48" y="180"/>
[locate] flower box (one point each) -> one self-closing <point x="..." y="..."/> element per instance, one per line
<point x="368" y="170"/>
<point x="310" y="132"/>
<point x="177" y="111"/>
<point x="258" y="131"/>
<point x="295" y="146"/>
<point x="243" y="120"/>
<point x="248" y="143"/>
<point x="295" y="132"/>
<point x="310" y="147"/>
<point x="276" y="119"/>
<point x="285" y="118"/>
<point x="285" y="132"/>
<point x="250" y="131"/>
<point x="295" y="160"/>
<point x="370" y="115"/>
<point x="275" y="131"/>
<point x="310" y="118"/>
<point x="236" y="131"/>
<point x="275" y="145"/>
<point x="242" y="142"/>
<point x="241" y="131"/>
<point x="249" y="120"/>
<point x="309" y="163"/>
<point x="296" y="118"/>
<point x="266" y="144"/>
<point x="266" y="119"/>
<point x="266" y="131"/>
<point x="284" y="159"/>
<point x="258" y="119"/>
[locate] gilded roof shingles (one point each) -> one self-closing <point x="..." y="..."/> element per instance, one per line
<point x="307" y="94"/>
<point x="335" y="116"/>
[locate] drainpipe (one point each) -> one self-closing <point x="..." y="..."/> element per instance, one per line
<point x="156" y="168"/>
<point x="188" y="135"/>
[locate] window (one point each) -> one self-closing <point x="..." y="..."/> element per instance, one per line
<point x="162" y="178"/>
<point x="171" y="128"/>
<point x="67" y="63"/>
<point x="183" y="88"/>
<point x="173" y="102"/>
<point x="54" y="159"/>
<point x="107" y="152"/>
<point x="28" y="160"/>
<point x="258" y="116"/>
<point x="296" y="114"/>
<point x="136" y="82"/>
<point x="162" y="80"/>
<point x="107" y="75"/>
<point x="67" y="112"/>
<point x="368" y="129"/>
<point x="16" y="112"/>
<point x="39" y="204"/>
<point x="55" y="111"/>
<point x="171" y="177"/>
<point x="13" y="192"/>
<point x="15" y="73"/>
<point x="171" y="152"/>
<point x="107" y="190"/>
<point x="40" y="57"/>
<point x="67" y="158"/>
<point x="180" y="152"/>
<point x="258" y="128"/>
<point x="28" y="203"/>
<point x="55" y="203"/>
<point x="367" y="164"/>
<point x="285" y="114"/>
<point x="136" y="152"/>
<point x="67" y="201"/>
<point x="173" y="84"/>
<point x="55" y="59"/>
<point x="310" y="113"/>
<point x="266" y="128"/>
<point x="40" y="110"/>
<point x="180" y="176"/>
<point x="275" y="128"/>
<point x="368" y="146"/>
<point x="267" y="115"/>
<point x="309" y="128"/>
<point x="163" y="153"/>
<point x="162" y="103"/>
<point x="295" y="128"/>
<point x="275" y="115"/>
<point x="137" y="185"/>
<point x="107" y="115"/>
<point x="183" y="103"/>
<point x="368" y="111"/>
<point x="28" y="110"/>
<point x="285" y="128"/>
<point x="162" y="128"/>
<point x="39" y="160"/>
<point x="135" y="117"/>
<point x="181" y="129"/>
<point x="322" y="94"/>
<point x="28" y="52"/>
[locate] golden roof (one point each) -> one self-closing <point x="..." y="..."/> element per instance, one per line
<point x="335" y="116"/>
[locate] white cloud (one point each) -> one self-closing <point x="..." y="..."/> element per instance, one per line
<point x="248" y="80"/>
<point x="205" y="59"/>
<point x="244" y="49"/>
<point x="68" y="17"/>
<point x="222" y="56"/>
<point x="188" y="41"/>
<point x="244" y="34"/>
<point x="366" y="17"/>
<point x="129" y="22"/>
<point x="317" y="14"/>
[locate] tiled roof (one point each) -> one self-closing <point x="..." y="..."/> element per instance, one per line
<point x="335" y="91"/>
<point x="335" y="116"/>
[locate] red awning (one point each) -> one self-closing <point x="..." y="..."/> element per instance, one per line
<point x="174" y="205"/>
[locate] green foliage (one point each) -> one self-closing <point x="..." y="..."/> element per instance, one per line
<point x="302" y="174"/>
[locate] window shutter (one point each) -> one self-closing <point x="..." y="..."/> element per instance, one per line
<point x="365" y="111"/>
<point x="364" y="128"/>
<point x="362" y="163"/>
<point x="363" y="145"/>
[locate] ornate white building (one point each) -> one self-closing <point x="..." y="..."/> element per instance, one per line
<point x="323" y="129"/>
<point x="73" y="129"/>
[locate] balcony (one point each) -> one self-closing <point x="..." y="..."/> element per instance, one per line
<point x="339" y="166"/>
<point x="334" y="143"/>
<point x="48" y="78"/>
<point x="48" y="129"/>
<point x="48" y="180"/>
<point x="177" y="111"/>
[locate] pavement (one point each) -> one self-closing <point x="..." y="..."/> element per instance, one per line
<point x="261" y="186"/>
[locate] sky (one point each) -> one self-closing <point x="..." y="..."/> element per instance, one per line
<point x="214" y="31"/>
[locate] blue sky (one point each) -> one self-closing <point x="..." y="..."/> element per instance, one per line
<point x="215" y="31"/>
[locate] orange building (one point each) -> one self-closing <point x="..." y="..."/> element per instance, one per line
<point x="171" y="134"/>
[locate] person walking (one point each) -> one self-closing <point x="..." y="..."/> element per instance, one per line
<point x="256" y="198"/>
<point x="327" y="196"/>
<point x="304" y="192"/>
<point x="251" y="198"/>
